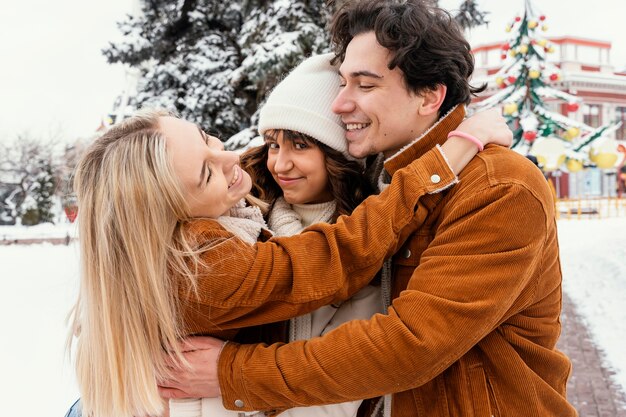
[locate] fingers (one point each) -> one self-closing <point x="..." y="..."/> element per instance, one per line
<point x="172" y="393"/>
<point x="200" y="342"/>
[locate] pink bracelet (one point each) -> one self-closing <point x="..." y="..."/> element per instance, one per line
<point x="467" y="136"/>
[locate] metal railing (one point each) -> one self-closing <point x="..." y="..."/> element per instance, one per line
<point x="590" y="207"/>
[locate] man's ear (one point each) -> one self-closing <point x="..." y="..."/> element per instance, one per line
<point x="433" y="99"/>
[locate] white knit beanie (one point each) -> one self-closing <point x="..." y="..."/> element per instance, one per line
<point x="302" y="103"/>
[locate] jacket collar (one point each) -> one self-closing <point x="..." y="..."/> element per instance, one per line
<point x="435" y="135"/>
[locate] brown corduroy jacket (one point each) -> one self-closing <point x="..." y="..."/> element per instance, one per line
<point x="474" y="320"/>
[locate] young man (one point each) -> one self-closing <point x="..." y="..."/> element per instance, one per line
<point x="476" y="293"/>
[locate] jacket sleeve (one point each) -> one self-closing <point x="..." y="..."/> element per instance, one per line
<point x="288" y="276"/>
<point x="487" y="249"/>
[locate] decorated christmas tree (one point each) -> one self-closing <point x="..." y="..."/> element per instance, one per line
<point x="525" y="82"/>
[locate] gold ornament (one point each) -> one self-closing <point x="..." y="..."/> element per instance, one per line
<point x="544" y="28"/>
<point x="604" y="155"/>
<point x="574" y="165"/>
<point x="507" y="28"/>
<point x="523" y="49"/>
<point x="510" y="108"/>
<point x="550" y="49"/>
<point x="512" y="52"/>
<point x="571" y="133"/>
<point x="499" y="80"/>
<point x="532" y="24"/>
<point x="534" y="74"/>
<point x="542" y="43"/>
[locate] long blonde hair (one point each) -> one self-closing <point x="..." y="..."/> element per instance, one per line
<point x="132" y="247"/>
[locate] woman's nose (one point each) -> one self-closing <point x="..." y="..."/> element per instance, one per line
<point x="228" y="159"/>
<point x="283" y="160"/>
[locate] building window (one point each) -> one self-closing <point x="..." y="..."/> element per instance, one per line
<point x="591" y="114"/>
<point x="620" y="115"/>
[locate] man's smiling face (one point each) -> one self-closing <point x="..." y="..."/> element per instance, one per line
<point x="380" y="114"/>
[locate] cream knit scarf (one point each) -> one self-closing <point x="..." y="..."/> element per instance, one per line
<point x="245" y="222"/>
<point x="286" y="220"/>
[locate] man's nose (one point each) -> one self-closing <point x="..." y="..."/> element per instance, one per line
<point x="343" y="103"/>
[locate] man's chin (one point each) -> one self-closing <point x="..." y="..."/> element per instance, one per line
<point x="357" y="152"/>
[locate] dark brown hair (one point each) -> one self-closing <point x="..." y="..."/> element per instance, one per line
<point x="346" y="181"/>
<point x="425" y="42"/>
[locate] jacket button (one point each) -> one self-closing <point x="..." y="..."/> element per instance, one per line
<point x="406" y="253"/>
<point x="239" y="404"/>
<point x="435" y="179"/>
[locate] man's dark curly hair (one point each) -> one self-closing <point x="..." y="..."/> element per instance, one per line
<point x="425" y="42"/>
<point x="347" y="183"/>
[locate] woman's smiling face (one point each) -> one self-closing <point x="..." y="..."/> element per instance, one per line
<point x="212" y="178"/>
<point x="299" y="168"/>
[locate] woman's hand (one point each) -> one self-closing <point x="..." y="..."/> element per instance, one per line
<point x="488" y="126"/>
<point x="200" y="378"/>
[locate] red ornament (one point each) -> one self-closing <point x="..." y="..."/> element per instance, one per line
<point x="517" y="18"/>
<point x="542" y="18"/>
<point x="530" y="135"/>
<point x="554" y="77"/>
<point x="511" y="79"/>
<point x="71" y="212"/>
<point x="572" y="107"/>
<point x="503" y="56"/>
<point x="506" y="47"/>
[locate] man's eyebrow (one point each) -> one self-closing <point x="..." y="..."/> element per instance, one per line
<point x="364" y="73"/>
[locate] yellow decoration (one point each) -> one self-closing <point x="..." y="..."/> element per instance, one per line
<point x="523" y="49"/>
<point x="543" y="43"/>
<point x="574" y="165"/>
<point x="510" y="108"/>
<point x="499" y="80"/>
<point x="550" y="49"/>
<point x="550" y="153"/>
<point x="534" y="74"/>
<point x="571" y="133"/>
<point x="532" y="24"/>
<point x="507" y="28"/>
<point x="545" y="28"/>
<point x="512" y="52"/>
<point x="605" y="154"/>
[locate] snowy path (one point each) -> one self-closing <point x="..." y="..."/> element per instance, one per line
<point x="39" y="285"/>
<point x="593" y="257"/>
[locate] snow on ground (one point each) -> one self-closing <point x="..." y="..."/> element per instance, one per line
<point x="593" y="258"/>
<point x="39" y="284"/>
<point x="44" y="230"/>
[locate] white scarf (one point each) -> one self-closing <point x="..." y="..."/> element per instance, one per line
<point x="245" y="222"/>
<point x="287" y="220"/>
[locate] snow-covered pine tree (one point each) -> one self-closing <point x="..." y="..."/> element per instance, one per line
<point x="188" y="51"/>
<point x="214" y="61"/>
<point x="28" y="177"/>
<point x="41" y="194"/>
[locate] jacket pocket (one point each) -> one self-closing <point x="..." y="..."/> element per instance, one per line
<point x="483" y="394"/>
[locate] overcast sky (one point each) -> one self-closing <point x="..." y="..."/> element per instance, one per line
<point x="54" y="79"/>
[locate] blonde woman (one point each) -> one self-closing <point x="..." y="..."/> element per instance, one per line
<point x="167" y="250"/>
